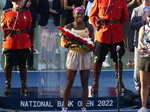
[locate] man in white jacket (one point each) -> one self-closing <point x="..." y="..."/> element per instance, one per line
<point x="2" y="5"/>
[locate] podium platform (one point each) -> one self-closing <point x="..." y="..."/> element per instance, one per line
<point x="45" y="98"/>
<point x="105" y="99"/>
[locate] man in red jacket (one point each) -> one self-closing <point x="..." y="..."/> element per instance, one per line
<point x="108" y="16"/>
<point x="16" y="23"/>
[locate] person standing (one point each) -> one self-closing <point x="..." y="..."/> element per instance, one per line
<point x="16" y="23"/>
<point x="50" y="11"/>
<point x="144" y="62"/>
<point x="108" y="16"/>
<point x="63" y="14"/>
<point x="69" y="5"/>
<point x="138" y="19"/>
<point x="87" y="12"/>
<point x="129" y="34"/>
<point x="78" y="59"/>
<point x="2" y="5"/>
<point x="7" y="6"/>
<point x="31" y="6"/>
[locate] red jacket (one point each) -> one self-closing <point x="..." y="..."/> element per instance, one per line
<point x="111" y="33"/>
<point x="16" y="41"/>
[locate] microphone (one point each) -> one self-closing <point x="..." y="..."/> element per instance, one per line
<point x="118" y="48"/>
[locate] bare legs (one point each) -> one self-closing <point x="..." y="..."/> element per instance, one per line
<point x="130" y="63"/>
<point x="84" y="81"/>
<point x="128" y="51"/>
<point x="70" y="76"/>
<point x="144" y="79"/>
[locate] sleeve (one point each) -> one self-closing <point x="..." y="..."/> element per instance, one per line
<point x="30" y="21"/>
<point x="40" y="8"/>
<point x="94" y="12"/>
<point x="3" y="22"/>
<point x="59" y="7"/>
<point x="124" y="17"/>
<point x="134" y="23"/>
<point x="33" y="6"/>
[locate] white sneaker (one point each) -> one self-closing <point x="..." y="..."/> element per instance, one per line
<point x="1" y="69"/>
<point x="43" y="66"/>
<point x="64" y="109"/>
<point x="105" y="64"/>
<point x="57" y="51"/>
<point x="83" y="109"/>
<point x="142" y="109"/>
<point x="52" y="66"/>
<point x="35" y="51"/>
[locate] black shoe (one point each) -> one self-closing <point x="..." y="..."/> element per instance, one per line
<point x="7" y="89"/>
<point x="31" y="68"/>
<point x="124" y="90"/>
<point x="137" y="93"/>
<point x="24" y="89"/>
<point x="14" y="68"/>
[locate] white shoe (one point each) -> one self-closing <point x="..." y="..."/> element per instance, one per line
<point x="64" y="109"/>
<point x="83" y="110"/>
<point x="143" y="109"/>
<point x="105" y="64"/>
<point x="35" y="51"/>
<point x="1" y="69"/>
<point x="43" y="66"/>
<point x="57" y="51"/>
<point x="52" y="66"/>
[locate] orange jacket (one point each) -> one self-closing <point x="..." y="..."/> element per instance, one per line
<point x="16" y="41"/>
<point x="111" y="33"/>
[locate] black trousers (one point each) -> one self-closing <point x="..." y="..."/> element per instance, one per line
<point x="101" y="50"/>
<point x="11" y="54"/>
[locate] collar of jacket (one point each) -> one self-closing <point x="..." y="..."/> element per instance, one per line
<point x="17" y="10"/>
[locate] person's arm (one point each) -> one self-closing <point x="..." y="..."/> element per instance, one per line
<point x="91" y="31"/>
<point x="40" y="8"/>
<point x="136" y="22"/>
<point x="65" y="43"/>
<point x="31" y="5"/>
<point x="83" y="4"/>
<point x="66" y="7"/>
<point x="58" y="8"/>
<point x="124" y="16"/>
<point x="131" y="3"/>
<point x="3" y="22"/>
<point x="139" y="2"/>
<point x="30" y="21"/>
<point x="141" y="36"/>
<point x="94" y="13"/>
